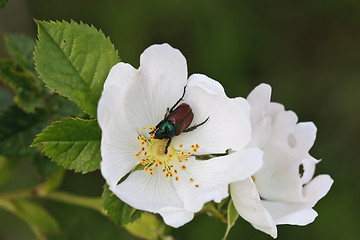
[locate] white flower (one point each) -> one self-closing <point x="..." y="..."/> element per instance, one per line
<point x="175" y="185"/>
<point x="282" y="191"/>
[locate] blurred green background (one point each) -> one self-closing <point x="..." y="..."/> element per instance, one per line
<point x="308" y="51"/>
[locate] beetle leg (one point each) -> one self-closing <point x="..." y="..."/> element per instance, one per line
<point x="167" y="113"/>
<point x="195" y="126"/>
<point x="167" y="145"/>
<point x="173" y="107"/>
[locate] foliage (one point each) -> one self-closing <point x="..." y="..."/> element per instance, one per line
<point x="37" y="217"/>
<point x="3" y="3"/>
<point x="19" y="74"/>
<point x="18" y="128"/>
<point x="73" y="143"/>
<point x="232" y="216"/>
<point x="19" y="124"/>
<point x="118" y="211"/>
<point x="73" y="60"/>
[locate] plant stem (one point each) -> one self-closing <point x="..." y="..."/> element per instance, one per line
<point x="94" y="203"/>
<point x="212" y="211"/>
<point x="25" y="193"/>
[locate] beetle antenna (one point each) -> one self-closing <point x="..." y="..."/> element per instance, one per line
<point x="173" y="107"/>
<point x="167" y="145"/>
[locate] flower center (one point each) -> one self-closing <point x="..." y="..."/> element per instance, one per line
<point x="152" y="156"/>
<point x="158" y="150"/>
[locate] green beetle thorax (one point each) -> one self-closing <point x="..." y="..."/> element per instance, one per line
<point x="165" y="130"/>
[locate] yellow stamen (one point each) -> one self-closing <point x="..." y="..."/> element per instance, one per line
<point x="152" y="155"/>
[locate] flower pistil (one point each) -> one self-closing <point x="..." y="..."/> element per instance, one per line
<point x="152" y="155"/>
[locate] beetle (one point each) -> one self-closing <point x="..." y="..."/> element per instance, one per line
<point x="176" y="121"/>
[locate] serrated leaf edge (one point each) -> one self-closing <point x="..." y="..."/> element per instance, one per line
<point x="69" y="23"/>
<point x="39" y="144"/>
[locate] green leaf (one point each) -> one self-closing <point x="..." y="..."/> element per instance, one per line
<point x="21" y="49"/>
<point x="44" y="166"/>
<point x="232" y="216"/>
<point x="3" y="3"/>
<point x="73" y="143"/>
<point x="28" y="95"/>
<point x="35" y="216"/>
<point x="117" y="210"/>
<point x="147" y="226"/>
<point x="7" y="167"/>
<point x="18" y="129"/>
<point x="74" y="60"/>
<point x="61" y="107"/>
<point x="6" y="97"/>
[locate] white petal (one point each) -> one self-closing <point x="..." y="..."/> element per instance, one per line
<point x="260" y="132"/>
<point x="153" y="193"/>
<point x="176" y="218"/>
<point x="213" y="176"/>
<point x="301" y="218"/>
<point x="118" y="148"/>
<point x="284" y="153"/>
<point x="161" y="79"/>
<point x="248" y="204"/>
<point x="274" y="108"/>
<point x="122" y="75"/>
<point x="283" y="124"/>
<point x="290" y="213"/>
<point x="317" y="189"/>
<point x="304" y="135"/>
<point x="308" y="165"/>
<point x="279" y="178"/>
<point x="259" y="99"/>
<point x="228" y="125"/>
<point x="162" y="64"/>
<point x="300" y="213"/>
<point x="120" y="78"/>
<point x="108" y="102"/>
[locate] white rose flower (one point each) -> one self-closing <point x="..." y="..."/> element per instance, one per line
<point x="282" y="191"/>
<point x="134" y="163"/>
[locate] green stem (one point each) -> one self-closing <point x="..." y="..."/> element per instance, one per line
<point x="26" y="193"/>
<point x="212" y="211"/>
<point x="89" y="202"/>
<point x="37" y="192"/>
